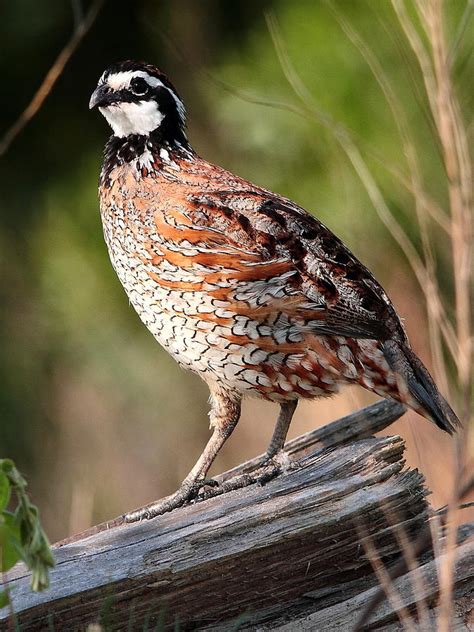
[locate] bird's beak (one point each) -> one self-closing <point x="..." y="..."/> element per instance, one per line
<point x="100" y="96"/>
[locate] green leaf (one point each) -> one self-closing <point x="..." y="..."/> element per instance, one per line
<point x="6" y="465"/>
<point x="21" y="534"/>
<point x="10" y="547"/>
<point x="35" y="548"/>
<point x="5" y="490"/>
<point x="4" y="598"/>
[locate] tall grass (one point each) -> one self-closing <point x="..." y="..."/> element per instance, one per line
<point x="422" y="24"/>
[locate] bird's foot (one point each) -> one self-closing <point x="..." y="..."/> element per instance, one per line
<point x="268" y="467"/>
<point x="280" y="461"/>
<point x="187" y="492"/>
<point x="273" y="465"/>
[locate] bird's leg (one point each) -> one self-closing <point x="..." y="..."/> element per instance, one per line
<point x="225" y="413"/>
<point x="275" y="459"/>
<point x="273" y="462"/>
<point x="277" y="441"/>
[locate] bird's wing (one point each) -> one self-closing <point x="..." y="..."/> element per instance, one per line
<point x="268" y="257"/>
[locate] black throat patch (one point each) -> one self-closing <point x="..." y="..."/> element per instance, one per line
<point x="123" y="150"/>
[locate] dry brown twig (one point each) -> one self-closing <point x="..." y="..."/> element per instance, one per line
<point x="53" y="74"/>
<point x="435" y="63"/>
<point x="407" y="546"/>
<point x="384" y="578"/>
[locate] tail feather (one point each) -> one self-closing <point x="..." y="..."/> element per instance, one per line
<point x="420" y="384"/>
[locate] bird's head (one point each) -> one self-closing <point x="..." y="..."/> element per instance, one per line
<point x="138" y="99"/>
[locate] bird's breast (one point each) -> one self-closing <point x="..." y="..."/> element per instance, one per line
<point x="212" y="302"/>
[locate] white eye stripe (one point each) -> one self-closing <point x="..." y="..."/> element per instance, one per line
<point x="121" y="81"/>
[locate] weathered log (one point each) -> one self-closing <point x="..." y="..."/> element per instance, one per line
<point x="344" y="614"/>
<point x="260" y="557"/>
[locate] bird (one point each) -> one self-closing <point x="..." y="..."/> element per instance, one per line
<point x="240" y="285"/>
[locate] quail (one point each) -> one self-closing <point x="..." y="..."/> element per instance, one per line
<point x="240" y="285"/>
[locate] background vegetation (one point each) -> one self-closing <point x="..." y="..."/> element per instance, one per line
<point x="323" y="102"/>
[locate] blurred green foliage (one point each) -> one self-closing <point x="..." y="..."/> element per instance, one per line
<point x="92" y="410"/>
<point x="21" y="534"/>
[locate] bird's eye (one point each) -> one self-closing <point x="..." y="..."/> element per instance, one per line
<point x="139" y="86"/>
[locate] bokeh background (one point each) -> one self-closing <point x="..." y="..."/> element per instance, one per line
<point x="92" y="410"/>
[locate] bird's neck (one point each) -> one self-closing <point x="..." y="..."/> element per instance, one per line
<point x="146" y="153"/>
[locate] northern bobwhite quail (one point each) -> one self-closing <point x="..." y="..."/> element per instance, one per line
<point x="238" y="284"/>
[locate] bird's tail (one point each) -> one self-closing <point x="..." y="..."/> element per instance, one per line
<point x="420" y="385"/>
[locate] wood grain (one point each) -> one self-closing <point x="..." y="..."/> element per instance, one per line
<point x="263" y="556"/>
